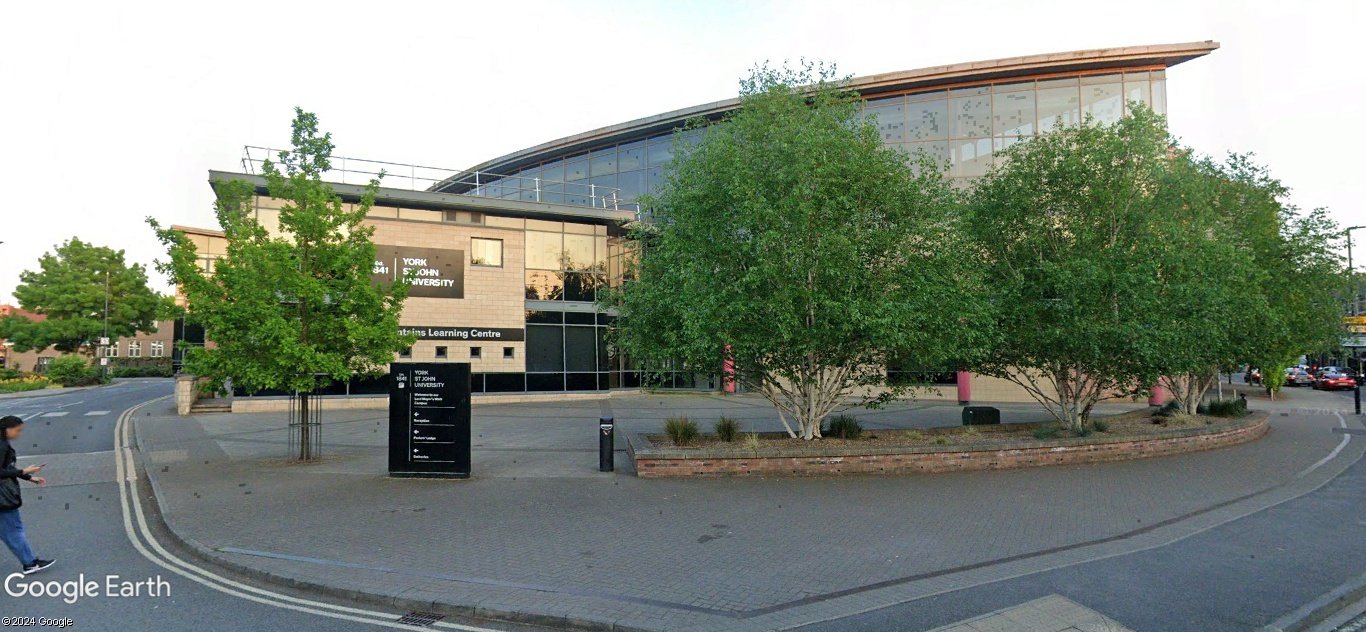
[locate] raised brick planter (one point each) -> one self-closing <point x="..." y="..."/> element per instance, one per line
<point x="810" y="459"/>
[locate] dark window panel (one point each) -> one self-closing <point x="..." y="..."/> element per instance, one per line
<point x="544" y="348"/>
<point x="545" y="382"/>
<point x="544" y="317"/>
<point x="581" y="381"/>
<point x="580" y="349"/>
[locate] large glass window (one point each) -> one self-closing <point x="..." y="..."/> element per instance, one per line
<point x="1013" y="113"/>
<point x="660" y="152"/>
<point x="890" y="119"/>
<point x="1103" y="102"/>
<point x="630" y="158"/>
<point x="971" y="158"/>
<point x="971" y="113"/>
<point x="1058" y="104"/>
<point x="578" y="252"/>
<point x="603" y="162"/>
<point x="544" y="251"/>
<point x="927" y="120"/>
<point x="576" y="169"/>
<point x="631" y="184"/>
<point x="935" y="150"/>
<point x="486" y="252"/>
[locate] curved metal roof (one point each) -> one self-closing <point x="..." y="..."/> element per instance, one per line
<point x="1099" y="59"/>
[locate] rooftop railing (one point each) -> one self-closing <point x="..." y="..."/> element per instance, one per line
<point x="360" y="171"/>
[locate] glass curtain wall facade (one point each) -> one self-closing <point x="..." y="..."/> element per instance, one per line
<point x="960" y="127"/>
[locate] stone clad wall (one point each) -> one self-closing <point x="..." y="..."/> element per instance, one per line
<point x="494" y="297"/>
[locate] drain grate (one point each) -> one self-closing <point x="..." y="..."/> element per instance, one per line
<point x="421" y="618"/>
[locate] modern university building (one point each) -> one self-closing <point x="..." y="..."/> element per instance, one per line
<point x="510" y="252"/>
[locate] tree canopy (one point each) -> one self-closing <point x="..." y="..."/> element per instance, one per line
<point x="291" y="309"/>
<point x="1074" y="237"/>
<point x="791" y="242"/>
<point x="1119" y="260"/>
<point x="69" y="288"/>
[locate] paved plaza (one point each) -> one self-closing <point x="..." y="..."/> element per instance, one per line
<point x="539" y="534"/>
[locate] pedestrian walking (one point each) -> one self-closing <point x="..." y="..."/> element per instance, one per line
<point x="11" y="527"/>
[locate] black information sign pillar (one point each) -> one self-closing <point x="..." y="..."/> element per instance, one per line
<point x="429" y="419"/>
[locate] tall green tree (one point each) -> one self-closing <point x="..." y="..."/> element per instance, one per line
<point x="1068" y="226"/>
<point x="1305" y="289"/>
<point x="294" y="309"/>
<point x="792" y="243"/>
<point x="1210" y="286"/>
<point x="70" y="288"/>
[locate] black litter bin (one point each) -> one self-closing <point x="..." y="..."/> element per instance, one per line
<point x="981" y="415"/>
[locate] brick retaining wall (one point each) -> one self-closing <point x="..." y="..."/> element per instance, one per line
<point x="653" y="461"/>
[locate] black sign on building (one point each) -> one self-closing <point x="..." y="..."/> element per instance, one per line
<point x="432" y="272"/>
<point x="429" y="419"/>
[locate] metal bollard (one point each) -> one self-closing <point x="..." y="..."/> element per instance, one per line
<point x="606" y="439"/>
<point x="1356" y="397"/>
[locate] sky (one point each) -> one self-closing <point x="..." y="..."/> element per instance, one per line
<point x="112" y="112"/>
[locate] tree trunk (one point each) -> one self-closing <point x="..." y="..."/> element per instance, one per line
<point x="305" y="430"/>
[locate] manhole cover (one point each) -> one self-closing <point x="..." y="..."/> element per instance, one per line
<point x="421" y="618"/>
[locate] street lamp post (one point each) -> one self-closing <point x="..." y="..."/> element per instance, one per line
<point x="1356" y="303"/>
<point x="105" y="339"/>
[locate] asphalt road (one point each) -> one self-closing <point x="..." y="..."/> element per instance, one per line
<point x="1232" y="577"/>
<point x="79" y="520"/>
<point x="1239" y="576"/>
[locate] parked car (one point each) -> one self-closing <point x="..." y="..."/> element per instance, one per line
<point x="1335" y="380"/>
<point x="1295" y="376"/>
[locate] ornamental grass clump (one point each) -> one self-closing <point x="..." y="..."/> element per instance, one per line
<point x="726" y="429"/>
<point x="680" y="430"/>
<point x="843" y="427"/>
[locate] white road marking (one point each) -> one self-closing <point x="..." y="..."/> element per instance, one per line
<point x="131" y="504"/>
<point x="59" y="413"/>
<point x="79" y="401"/>
<point x="96" y="413"/>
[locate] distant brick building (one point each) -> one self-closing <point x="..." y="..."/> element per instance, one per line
<point x="143" y="349"/>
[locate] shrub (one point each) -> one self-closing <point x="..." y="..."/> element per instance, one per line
<point x="843" y="427"/>
<point x="941" y="440"/>
<point x="73" y="370"/>
<point x="9" y="374"/>
<point x="1100" y="425"/>
<point x="1168" y="409"/>
<point x="142" y="371"/>
<point x="1226" y="408"/>
<point x="915" y="435"/>
<point x="726" y="429"/>
<point x="1046" y="432"/>
<point x="752" y="441"/>
<point x="24" y="383"/>
<point x="681" y="430"/>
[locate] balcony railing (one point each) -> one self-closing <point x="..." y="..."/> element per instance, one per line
<point x="360" y="171"/>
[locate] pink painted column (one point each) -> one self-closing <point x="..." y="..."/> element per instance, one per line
<point x="964" y="388"/>
<point x="1158" y="396"/>
<point x="728" y="373"/>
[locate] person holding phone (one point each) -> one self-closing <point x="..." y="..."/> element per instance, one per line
<point x="11" y="527"/>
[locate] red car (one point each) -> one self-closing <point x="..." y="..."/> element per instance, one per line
<point x="1331" y="381"/>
